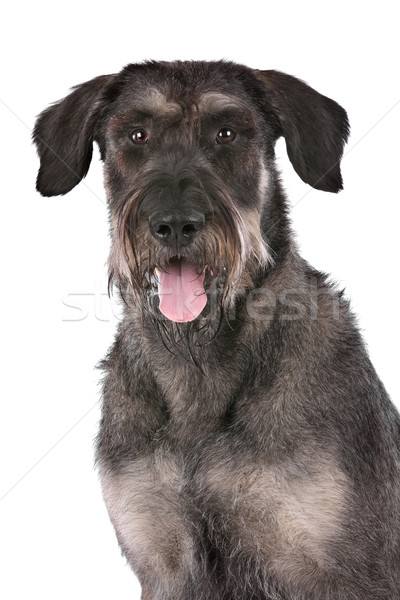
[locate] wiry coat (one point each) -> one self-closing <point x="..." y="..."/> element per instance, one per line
<point x="251" y="453"/>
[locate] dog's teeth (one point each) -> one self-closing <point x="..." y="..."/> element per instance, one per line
<point x="155" y="278"/>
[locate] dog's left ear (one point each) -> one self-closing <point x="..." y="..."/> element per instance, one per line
<point x="64" y="135"/>
<point x="315" y="128"/>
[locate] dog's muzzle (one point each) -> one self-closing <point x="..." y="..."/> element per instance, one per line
<point x="181" y="292"/>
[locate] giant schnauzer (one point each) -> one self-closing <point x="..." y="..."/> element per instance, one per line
<point x="247" y="449"/>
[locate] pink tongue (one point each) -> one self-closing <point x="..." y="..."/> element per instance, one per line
<point x="181" y="292"/>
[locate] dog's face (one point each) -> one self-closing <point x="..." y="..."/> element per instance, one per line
<point x="186" y="177"/>
<point x="188" y="153"/>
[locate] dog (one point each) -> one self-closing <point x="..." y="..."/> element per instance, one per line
<point x="247" y="449"/>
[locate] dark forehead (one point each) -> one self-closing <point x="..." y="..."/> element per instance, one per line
<point x="166" y="88"/>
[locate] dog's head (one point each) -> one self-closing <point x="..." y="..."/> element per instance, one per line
<point x="188" y="150"/>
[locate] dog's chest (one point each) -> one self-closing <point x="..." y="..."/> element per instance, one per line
<point x="198" y="483"/>
<point x="161" y="506"/>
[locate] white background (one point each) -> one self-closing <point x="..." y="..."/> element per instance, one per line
<point x="56" y="540"/>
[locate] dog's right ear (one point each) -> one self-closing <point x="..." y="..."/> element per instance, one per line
<point x="64" y="135"/>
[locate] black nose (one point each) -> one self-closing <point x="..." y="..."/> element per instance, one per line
<point x="176" y="228"/>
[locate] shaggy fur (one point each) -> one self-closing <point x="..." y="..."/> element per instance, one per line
<point x="251" y="453"/>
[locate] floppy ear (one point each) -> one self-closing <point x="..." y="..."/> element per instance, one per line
<point x="315" y="128"/>
<point x="64" y="137"/>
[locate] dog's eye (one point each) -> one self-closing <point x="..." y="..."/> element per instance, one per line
<point x="226" y="134"/>
<point x="139" y="136"/>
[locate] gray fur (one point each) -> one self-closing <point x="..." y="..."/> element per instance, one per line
<point x="252" y="453"/>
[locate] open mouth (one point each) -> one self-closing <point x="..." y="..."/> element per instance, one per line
<point x="181" y="291"/>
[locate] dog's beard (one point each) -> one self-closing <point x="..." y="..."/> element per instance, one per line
<point x="188" y="338"/>
<point x="187" y="291"/>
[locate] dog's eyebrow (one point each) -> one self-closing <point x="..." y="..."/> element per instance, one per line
<point x="151" y="104"/>
<point x="156" y="103"/>
<point x="216" y="105"/>
<point x="216" y="102"/>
